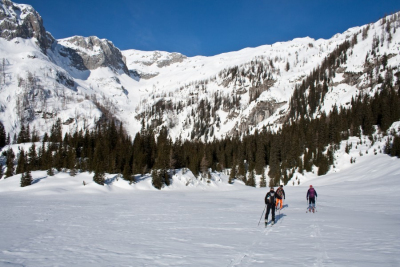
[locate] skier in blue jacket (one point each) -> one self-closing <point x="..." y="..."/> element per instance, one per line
<point x="311" y="195"/>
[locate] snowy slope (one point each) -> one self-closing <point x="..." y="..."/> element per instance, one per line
<point x="59" y="221"/>
<point x="199" y="78"/>
<point x="179" y="81"/>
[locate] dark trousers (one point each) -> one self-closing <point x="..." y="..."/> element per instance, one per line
<point x="311" y="202"/>
<point x="270" y="207"/>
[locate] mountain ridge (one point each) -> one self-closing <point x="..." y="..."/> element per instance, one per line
<point x="199" y="97"/>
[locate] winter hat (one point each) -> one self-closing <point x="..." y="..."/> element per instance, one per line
<point x="310" y="185"/>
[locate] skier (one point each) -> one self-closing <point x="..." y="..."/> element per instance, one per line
<point x="270" y="202"/>
<point x="311" y="195"/>
<point x="280" y="193"/>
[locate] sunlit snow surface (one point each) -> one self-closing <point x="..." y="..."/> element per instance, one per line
<point x="59" y="222"/>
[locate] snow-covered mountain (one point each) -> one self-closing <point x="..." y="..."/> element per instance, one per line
<point x="71" y="220"/>
<point x="81" y="79"/>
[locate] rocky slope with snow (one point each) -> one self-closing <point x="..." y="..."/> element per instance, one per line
<point x="79" y="79"/>
<point x="23" y="21"/>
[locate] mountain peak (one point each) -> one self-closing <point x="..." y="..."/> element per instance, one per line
<point x="92" y="53"/>
<point x="20" y="20"/>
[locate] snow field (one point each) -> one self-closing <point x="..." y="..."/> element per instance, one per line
<point x="356" y="223"/>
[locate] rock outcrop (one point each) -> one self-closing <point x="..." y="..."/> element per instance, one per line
<point x="89" y="53"/>
<point x="18" y="20"/>
<point x="173" y="58"/>
<point x="262" y="111"/>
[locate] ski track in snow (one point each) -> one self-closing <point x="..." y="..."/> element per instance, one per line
<point x="59" y="222"/>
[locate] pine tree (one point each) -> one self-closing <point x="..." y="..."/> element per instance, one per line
<point x="27" y="134"/>
<point x="34" y="135"/>
<point x="33" y="158"/>
<point x="70" y="159"/>
<point x="22" y="135"/>
<point x="156" y="179"/>
<point x="22" y="163"/>
<point x="348" y="147"/>
<point x="274" y="164"/>
<point x="99" y="177"/>
<point x="204" y="165"/>
<point x="26" y="178"/>
<point x="56" y="132"/>
<point x="50" y="171"/>
<point x="232" y="175"/>
<point x="323" y="164"/>
<point x="138" y="160"/>
<point x="1" y="171"/>
<point x="127" y="174"/>
<point x="301" y="165"/>
<point x="241" y="171"/>
<point x="367" y="119"/>
<point x="172" y="160"/>
<point x="263" y="182"/>
<point x="251" y="181"/>
<point x="271" y="182"/>
<point x="285" y="178"/>
<point x="396" y="147"/>
<point x="10" y="163"/>
<point x="260" y="158"/>
<point x="162" y="161"/>
<point x="165" y="176"/>
<point x="287" y="68"/>
<point x="3" y="135"/>
<point x="308" y="161"/>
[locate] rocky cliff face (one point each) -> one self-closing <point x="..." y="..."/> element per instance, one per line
<point x="89" y="53"/>
<point x="17" y="20"/>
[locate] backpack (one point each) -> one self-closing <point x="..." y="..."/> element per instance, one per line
<point x="279" y="192"/>
<point x="311" y="192"/>
<point x="270" y="198"/>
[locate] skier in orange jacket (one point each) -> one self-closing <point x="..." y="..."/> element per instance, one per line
<point x="280" y="193"/>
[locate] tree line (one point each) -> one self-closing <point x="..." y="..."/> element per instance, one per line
<point x="298" y="146"/>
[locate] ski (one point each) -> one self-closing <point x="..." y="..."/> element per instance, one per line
<point x="308" y="210"/>
<point x="271" y="223"/>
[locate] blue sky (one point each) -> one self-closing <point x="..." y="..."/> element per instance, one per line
<point x="207" y="27"/>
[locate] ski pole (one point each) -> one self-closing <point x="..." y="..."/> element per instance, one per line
<point x="262" y="215"/>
